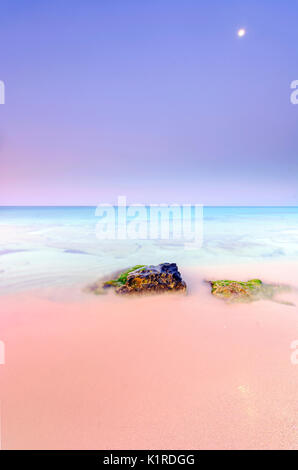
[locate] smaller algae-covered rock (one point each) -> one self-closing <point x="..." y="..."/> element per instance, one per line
<point x="249" y="291"/>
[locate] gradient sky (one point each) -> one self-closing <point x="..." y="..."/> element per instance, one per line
<point x="158" y="100"/>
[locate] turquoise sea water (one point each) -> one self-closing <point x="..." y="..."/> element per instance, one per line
<point x="42" y="246"/>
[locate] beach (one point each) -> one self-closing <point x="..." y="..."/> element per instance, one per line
<point x="167" y="372"/>
<point x="148" y="229"/>
<point x="170" y="371"/>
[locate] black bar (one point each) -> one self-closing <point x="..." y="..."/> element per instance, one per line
<point x="146" y="458"/>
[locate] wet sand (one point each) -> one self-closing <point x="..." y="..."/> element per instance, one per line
<point x="165" y="372"/>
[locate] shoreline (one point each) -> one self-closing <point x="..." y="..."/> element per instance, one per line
<point x="272" y="271"/>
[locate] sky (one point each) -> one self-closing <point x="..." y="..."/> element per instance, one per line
<point x="157" y="100"/>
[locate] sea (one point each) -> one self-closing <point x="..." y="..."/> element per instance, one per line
<point x="56" y="245"/>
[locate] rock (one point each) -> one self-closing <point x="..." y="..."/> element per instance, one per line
<point x="252" y="290"/>
<point x="142" y="279"/>
<point x="153" y="279"/>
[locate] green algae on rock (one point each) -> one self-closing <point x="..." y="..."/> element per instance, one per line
<point x="249" y="291"/>
<point x="122" y="277"/>
<point x="101" y="286"/>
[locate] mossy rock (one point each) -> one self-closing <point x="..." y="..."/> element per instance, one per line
<point x="142" y="279"/>
<point x="248" y="291"/>
<point x="164" y="277"/>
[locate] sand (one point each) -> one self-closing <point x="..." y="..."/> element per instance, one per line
<point x="164" y="372"/>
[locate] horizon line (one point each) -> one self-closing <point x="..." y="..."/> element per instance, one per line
<point x="148" y="204"/>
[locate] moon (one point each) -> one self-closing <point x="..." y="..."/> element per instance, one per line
<point x="241" y="32"/>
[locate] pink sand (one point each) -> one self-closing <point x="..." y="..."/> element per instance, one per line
<point x="166" y="372"/>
